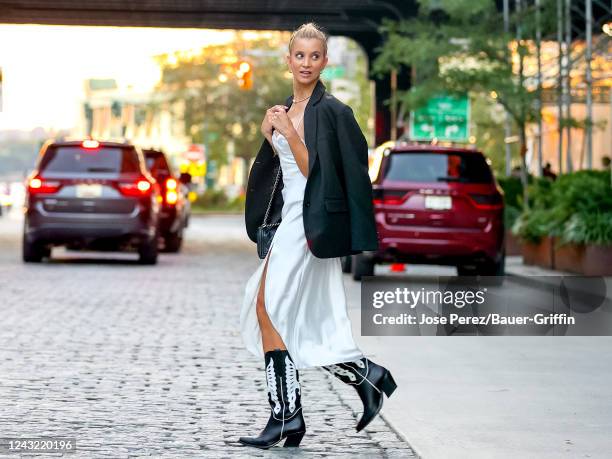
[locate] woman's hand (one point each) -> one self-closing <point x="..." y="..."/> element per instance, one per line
<point x="281" y="122"/>
<point x="266" y="124"/>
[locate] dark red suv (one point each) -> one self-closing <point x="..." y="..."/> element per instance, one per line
<point x="436" y="205"/>
<point x="176" y="207"/>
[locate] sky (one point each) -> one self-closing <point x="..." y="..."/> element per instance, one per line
<point x="44" y="67"/>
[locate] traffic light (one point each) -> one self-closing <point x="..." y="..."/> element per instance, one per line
<point x="245" y="75"/>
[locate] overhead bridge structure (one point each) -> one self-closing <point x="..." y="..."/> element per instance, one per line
<point x="356" y="19"/>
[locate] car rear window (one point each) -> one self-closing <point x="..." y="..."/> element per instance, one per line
<point x="157" y="164"/>
<point x="437" y="167"/>
<point x="76" y="159"/>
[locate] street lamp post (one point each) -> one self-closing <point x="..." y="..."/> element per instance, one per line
<point x="589" y="83"/>
<point x="560" y="84"/>
<point x="539" y="84"/>
<point x="568" y="84"/>
<point x="507" y="131"/>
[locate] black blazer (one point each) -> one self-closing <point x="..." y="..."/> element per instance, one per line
<point x="337" y="209"/>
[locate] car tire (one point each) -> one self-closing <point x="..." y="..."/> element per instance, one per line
<point x="467" y="270"/>
<point x="491" y="268"/>
<point x="148" y="252"/>
<point x="173" y="242"/>
<point x="346" y="263"/>
<point x="33" y="252"/>
<point x="494" y="268"/>
<point x="362" y="266"/>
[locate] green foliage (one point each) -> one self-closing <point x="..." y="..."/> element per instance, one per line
<point x="217" y="112"/>
<point x="576" y="208"/>
<point x="513" y="198"/>
<point x="463" y="52"/>
<point x="487" y="128"/>
<point x="513" y="191"/>
<point x="460" y="46"/>
<point x="216" y="199"/>
<point x="511" y="213"/>
<point x="589" y="229"/>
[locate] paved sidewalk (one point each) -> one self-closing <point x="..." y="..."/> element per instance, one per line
<point x="502" y="397"/>
<point x="139" y="361"/>
<point x="515" y="267"/>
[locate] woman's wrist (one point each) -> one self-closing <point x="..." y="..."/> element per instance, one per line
<point x="292" y="134"/>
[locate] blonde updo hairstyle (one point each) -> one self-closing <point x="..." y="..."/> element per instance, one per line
<point x="309" y="30"/>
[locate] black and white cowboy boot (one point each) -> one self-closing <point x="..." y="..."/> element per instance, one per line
<point x="284" y="394"/>
<point x="370" y="380"/>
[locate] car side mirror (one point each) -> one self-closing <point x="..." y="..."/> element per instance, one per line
<point x="185" y="178"/>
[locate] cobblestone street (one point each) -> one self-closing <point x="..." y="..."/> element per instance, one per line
<point x="135" y="360"/>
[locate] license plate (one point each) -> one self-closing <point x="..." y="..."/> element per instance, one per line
<point x="438" y="202"/>
<point x="89" y="191"/>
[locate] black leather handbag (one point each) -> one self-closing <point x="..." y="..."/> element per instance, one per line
<point x="265" y="232"/>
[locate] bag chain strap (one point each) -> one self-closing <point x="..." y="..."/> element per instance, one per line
<point x="270" y="202"/>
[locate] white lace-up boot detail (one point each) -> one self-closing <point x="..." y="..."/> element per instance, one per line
<point x="272" y="390"/>
<point x="292" y="383"/>
<point x="370" y="381"/>
<point x="284" y="395"/>
<point x="338" y="370"/>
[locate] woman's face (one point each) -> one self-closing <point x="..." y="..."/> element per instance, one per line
<point x="307" y="60"/>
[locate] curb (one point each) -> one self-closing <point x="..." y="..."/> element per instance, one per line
<point x="398" y="432"/>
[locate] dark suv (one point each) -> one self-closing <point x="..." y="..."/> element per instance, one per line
<point x="176" y="207"/>
<point x="91" y="195"/>
<point x="436" y="205"/>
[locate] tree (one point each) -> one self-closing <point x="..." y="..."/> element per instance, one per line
<point x="216" y="110"/>
<point x="458" y="46"/>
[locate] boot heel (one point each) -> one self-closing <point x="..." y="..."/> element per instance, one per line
<point x="293" y="440"/>
<point x="388" y="384"/>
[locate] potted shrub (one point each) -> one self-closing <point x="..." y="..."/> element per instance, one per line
<point x="513" y="204"/>
<point x="535" y="226"/>
<point x="569" y="226"/>
<point x="585" y="246"/>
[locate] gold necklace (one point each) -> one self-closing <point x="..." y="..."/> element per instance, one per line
<point x="302" y="100"/>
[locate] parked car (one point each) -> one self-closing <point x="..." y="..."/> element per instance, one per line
<point x="92" y="195"/>
<point x="176" y="207"/>
<point x="435" y="205"/>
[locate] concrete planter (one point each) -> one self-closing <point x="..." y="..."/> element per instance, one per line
<point x="588" y="260"/>
<point x="514" y="246"/>
<point x="541" y="254"/>
<point x="570" y="258"/>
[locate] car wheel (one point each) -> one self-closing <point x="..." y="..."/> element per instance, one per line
<point x="467" y="270"/>
<point x="148" y="252"/>
<point x="33" y="252"/>
<point x="362" y="266"/>
<point x="494" y="268"/>
<point x="173" y="242"/>
<point x="346" y="264"/>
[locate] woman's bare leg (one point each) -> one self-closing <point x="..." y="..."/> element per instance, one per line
<point x="269" y="336"/>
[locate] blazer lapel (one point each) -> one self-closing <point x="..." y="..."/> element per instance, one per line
<point x="310" y="122"/>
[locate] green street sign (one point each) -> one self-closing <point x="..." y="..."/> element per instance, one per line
<point x="444" y="117"/>
<point x="333" y="71"/>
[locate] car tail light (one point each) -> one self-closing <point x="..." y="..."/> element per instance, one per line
<point x="487" y="201"/>
<point x="39" y="185"/>
<point x="140" y="187"/>
<point x="171" y="192"/>
<point x="393" y="197"/>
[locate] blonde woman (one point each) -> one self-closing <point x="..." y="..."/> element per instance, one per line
<point x="294" y="313"/>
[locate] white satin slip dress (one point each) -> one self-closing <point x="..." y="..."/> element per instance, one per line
<point x="304" y="295"/>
